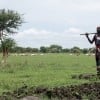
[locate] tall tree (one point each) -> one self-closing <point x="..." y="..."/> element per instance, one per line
<point x="9" y="24"/>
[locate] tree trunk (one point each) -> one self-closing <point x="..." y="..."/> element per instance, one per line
<point x="5" y="53"/>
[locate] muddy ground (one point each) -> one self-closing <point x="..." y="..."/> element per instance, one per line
<point x="87" y="91"/>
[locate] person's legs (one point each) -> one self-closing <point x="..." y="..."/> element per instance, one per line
<point x="98" y="70"/>
<point x="98" y="63"/>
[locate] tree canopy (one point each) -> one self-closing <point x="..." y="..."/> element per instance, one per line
<point x="9" y="23"/>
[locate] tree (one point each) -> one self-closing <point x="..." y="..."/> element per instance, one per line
<point x="9" y="23"/>
<point x="66" y="50"/>
<point x="35" y="50"/>
<point x="31" y="50"/>
<point x="55" y="49"/>
<point x="75" y="50"/>
<point x="85" y="50"/>
<point x="91" y="50"/>
<point x="7" y="45"/>
<point x="18" y="49"/>
<point x="43" y="49"/>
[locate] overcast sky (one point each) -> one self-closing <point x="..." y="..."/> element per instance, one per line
<point x="55" y="21"/>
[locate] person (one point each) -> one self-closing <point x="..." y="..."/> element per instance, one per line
<point x="96" y="40"/>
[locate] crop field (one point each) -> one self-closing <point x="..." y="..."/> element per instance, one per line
<point x="45" y="70"/>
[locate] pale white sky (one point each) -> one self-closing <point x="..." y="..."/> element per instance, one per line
<point x="55" y="21"/>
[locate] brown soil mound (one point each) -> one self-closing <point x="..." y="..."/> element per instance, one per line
<point x="76" y="92"/>
<point x="84" y="76"/>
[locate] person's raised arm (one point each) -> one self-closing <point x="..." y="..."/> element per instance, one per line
<point x="91" y="41"/>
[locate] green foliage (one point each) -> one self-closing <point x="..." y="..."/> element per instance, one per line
<point x="8" y="43"/>
<point x="44" y="70"/>
<point x="43" y="49"/>
<point x="85" y="50"/>
<point x="55" y="48"/>
<point x="75" y="50"/>
<point x="9" y="21"/>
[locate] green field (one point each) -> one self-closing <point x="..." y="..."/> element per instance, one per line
<point x="44" y="70"/>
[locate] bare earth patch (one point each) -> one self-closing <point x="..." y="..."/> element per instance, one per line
<point x="89" y="91"/>
<point x="84" y="76"/>
<point x="30" y="98"/>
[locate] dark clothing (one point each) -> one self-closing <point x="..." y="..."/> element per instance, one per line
<point x="96" y="39"/>
<point x="97" y="44"/>
<point x="97" y="56"/>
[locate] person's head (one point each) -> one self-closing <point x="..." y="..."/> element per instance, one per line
<point x="98" y="30"/>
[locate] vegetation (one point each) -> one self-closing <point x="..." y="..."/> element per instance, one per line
<point x="51" y="49"/>
<point x="53" y="68"/>
<point x="44" y="70"/>
<point x="9" y="22"/>
<point x="6" y="45"/>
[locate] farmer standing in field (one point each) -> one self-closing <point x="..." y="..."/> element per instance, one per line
<point x="96" y="40"/>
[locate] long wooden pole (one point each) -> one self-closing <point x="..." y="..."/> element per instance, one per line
<point x="88" y="33"/>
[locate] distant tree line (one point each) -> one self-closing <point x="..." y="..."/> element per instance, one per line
<point x="51" y="49"/>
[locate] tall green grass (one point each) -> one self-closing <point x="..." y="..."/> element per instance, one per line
<point x="44" y="70"/>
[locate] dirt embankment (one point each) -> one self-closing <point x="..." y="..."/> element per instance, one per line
<point x="76" y="92"/>
<point x="89" y="91"/>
